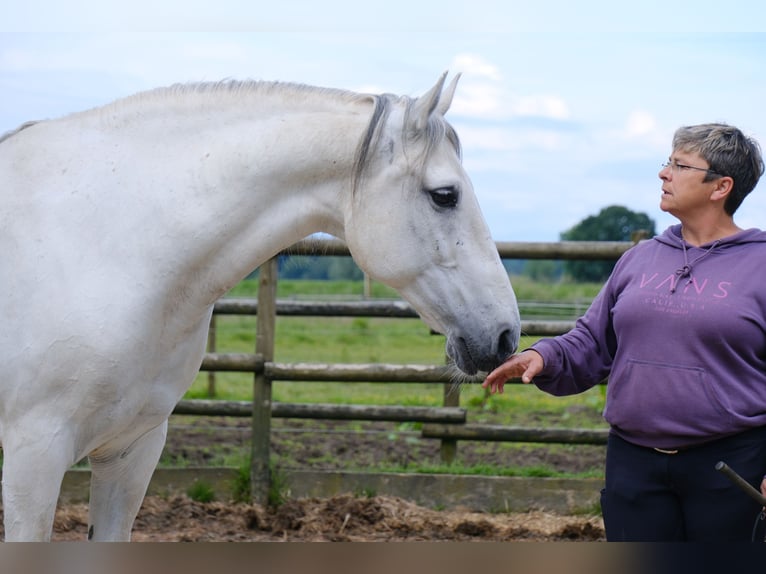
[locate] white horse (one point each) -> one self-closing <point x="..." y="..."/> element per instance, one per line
<point x="121" y="226"/>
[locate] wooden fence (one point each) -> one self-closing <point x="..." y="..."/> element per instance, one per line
<point x="447" y="423"/>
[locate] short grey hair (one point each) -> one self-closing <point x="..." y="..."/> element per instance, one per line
<point x="728" y="152"/>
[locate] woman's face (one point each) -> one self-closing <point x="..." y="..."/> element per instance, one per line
<point x="684" y="189"/>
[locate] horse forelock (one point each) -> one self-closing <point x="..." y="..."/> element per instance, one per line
<point x="444" y="130"/>
<point x="437" y="128"/>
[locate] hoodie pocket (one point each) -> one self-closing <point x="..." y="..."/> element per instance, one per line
<point x="657" y="399"/>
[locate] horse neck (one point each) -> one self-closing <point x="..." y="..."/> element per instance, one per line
<point x="259" y="182"/>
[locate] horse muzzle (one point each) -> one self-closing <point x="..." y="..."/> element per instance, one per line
<point x="471" y="355"/>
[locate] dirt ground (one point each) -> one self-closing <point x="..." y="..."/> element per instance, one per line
<point x="342" y="445"/>
<point x="343" y="518"/>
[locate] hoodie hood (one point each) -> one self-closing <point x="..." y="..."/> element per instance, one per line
<point x="672" y="237"/>
<point x="692" y="255"/>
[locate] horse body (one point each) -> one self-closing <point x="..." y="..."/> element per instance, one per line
<point x="122" y="226"/>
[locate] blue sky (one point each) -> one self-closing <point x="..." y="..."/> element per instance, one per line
<point x="563" y="107"/>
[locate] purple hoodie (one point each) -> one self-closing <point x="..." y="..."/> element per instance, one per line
<point x="681" y="333"/>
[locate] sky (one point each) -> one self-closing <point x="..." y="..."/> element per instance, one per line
<point x="563" y="108"/>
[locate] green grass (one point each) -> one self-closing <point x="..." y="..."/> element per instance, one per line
<point x="201" y="492"/>
<point x="385" y="340"/>
<point x="313" y="289"/>
<point x="396" y="341"/>
<point x="492" y="470"/>
<point x="562" y="291"/>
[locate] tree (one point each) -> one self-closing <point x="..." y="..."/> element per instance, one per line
<point x="546" y="270"/>
<point x="334" y="268"/>
<point x="613" y="223"/>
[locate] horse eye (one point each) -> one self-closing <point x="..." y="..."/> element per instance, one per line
<point x="444" y="196"/>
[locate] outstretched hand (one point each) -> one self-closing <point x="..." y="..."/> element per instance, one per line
<point x="526" y="365"/>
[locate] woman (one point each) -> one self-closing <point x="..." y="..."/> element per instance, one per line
<point x="680" y="330"/>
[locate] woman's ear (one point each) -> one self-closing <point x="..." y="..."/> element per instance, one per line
<point x="722" y="189"/>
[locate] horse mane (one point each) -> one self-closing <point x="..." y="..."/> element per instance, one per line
<point x="381" y="105"/>
<point x="22" y="127"/>
<point x="213" y="91"/>
<point x="436" y="129"/>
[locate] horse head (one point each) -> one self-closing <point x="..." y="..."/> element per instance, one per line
<point x="415" y="224"/>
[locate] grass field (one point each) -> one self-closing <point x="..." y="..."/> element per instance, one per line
<point x="395" y="341"/>
<point x="383" y="340"/>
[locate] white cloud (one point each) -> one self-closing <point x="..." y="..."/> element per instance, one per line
<point x="640" y="123"/>
<point x="475" y="65"/>
<point x="640" y="134"/>
<point x="483" y="94"/>
<point x="479" y="100"/>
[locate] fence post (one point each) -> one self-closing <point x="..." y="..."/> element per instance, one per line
<point x="367" y="287"/>
<point x="448" y="447"/>
<point x="211" y="335"/>
<point x="260" y="476"/>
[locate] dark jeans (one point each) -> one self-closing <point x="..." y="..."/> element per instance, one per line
<point x="650" y="496"/>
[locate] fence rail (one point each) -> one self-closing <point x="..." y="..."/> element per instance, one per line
<point x="447" y="423"/>
<point x="289" y="308"/>
<point x="385" y="308"/>
<point x="581" y="250"/>
<point x="449" y="415"/>
<point x="515" y="434"/>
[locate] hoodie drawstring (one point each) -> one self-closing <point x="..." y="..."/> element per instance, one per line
<point x="686" y="270"/>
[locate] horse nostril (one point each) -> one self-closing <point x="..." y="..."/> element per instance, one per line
<point x="506" y="345"/>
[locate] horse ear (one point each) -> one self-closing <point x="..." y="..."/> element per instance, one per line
<point x="445" y="101"/>
<point x="425" y="105"/>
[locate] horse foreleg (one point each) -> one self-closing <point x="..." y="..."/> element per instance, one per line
<point x="33" y="469"/>
<point x="118" y="484"/>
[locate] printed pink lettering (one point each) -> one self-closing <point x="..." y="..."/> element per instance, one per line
<point x="722" y="292"/>
<point x="645" y="281"/>
<point x="670" y="281"/>
<point x="693" y="283"/>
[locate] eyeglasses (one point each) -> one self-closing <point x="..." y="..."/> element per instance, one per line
<point x="675" y="167"/>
